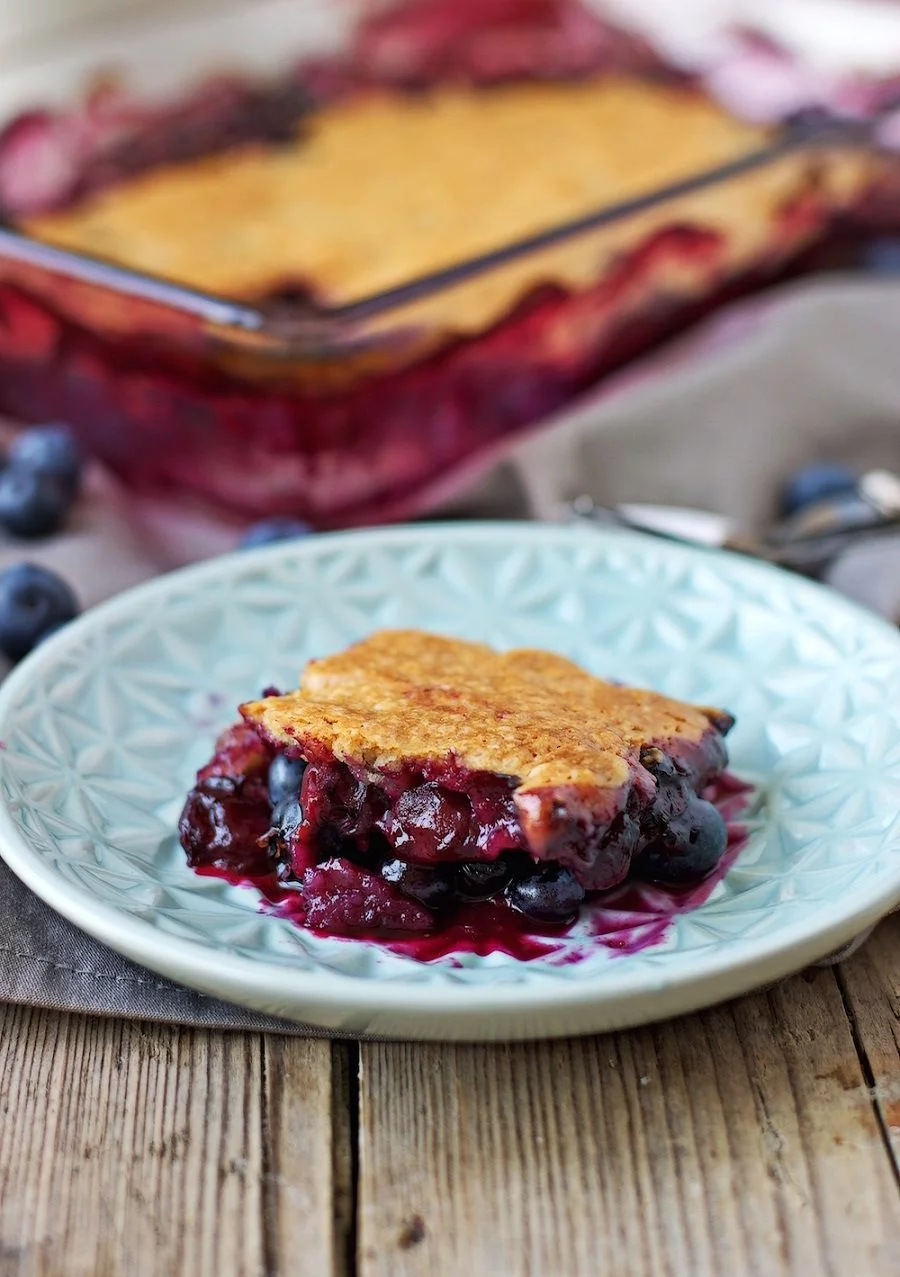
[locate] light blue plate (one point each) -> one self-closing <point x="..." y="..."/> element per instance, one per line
<point x="105" y="724"/>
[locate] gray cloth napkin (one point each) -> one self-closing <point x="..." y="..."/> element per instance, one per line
<point x="715" y="422"/>
<point x="46" y="962"/>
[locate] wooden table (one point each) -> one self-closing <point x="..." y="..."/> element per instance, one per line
<point x="760" y="1138"/>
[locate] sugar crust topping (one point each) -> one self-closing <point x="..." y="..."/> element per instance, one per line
<point x="401" y="697"/>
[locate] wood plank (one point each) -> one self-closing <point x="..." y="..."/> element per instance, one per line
<point x="145" y="1149"/>
<point x="870" y="981"/>
<point x="740" y="1141"/>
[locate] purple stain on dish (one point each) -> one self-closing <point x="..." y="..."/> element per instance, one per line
<point x="203" y="709"/>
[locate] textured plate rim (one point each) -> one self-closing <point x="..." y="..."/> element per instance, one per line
<point x="254" y="982"/>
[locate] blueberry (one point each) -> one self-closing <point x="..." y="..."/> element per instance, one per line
<point x="32" y="504"/>
<point x="286" y="818"/>
<point x="284" y="823"/>
<point x="882" y="257"/>
<point x="687" y="849"/>
<point x="551" y="895"/>
<point x="271" y="530"/>
<point x="285" y="776"/>
<point x="432" y="885"/>
<point x="33" y="602"/>
<point x="49" y="450"/>
<point x="816" y="482"/>
<point x="480" y="879"/>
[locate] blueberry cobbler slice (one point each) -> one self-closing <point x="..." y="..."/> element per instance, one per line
<point x="412" y="776"/>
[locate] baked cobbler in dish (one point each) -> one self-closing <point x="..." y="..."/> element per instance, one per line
<point x="388" y="185"/>
<point x="399" y="238"/>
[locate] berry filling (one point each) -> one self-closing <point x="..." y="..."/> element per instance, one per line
<point x="411" y="852"/>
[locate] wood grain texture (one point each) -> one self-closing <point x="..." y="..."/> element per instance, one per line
<point x="753" y="1140"/>
<point x="742" y="1141"/>
<point x="144" y="1149"/>
<point x="870" y="982"/>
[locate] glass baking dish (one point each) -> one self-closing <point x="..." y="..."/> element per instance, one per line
<point x="371" y="410"/>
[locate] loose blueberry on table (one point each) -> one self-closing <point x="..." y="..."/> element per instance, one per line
<point x="49" y="450"/>
<point x="414" y="784"/>
<point x="270" y="531"/>
<point x="817" y="482"/>
<point x="34" y="603"/>
<point x="40" y="481"/>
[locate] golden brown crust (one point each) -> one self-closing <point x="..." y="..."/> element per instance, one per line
<point x="386" y="186"/>
<point x="383" y="187"/>
<point x="402" y="697"/>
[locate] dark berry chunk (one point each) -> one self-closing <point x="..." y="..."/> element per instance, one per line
<point x="431" y="823"/>
<point x="285" y="778"/>
<point x="598" y="857"/>
<point x="33" y="602"/>
<point x="817" y="482"/>
<point x="240" y="755"/>
<point x="338" y="803"/>
<point x="268" y="531"/>
<point x="687" y="849"/>
<point x="432" y="885"/>
<point x="496" y="825"/>
<point x="551" y="895"/>
<point x="225" y="831"/>
<point x="342" y="897"/>
<point x="32" y="504"/>
<point x="49" y="450"/>
<point x="478" y="880"/>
